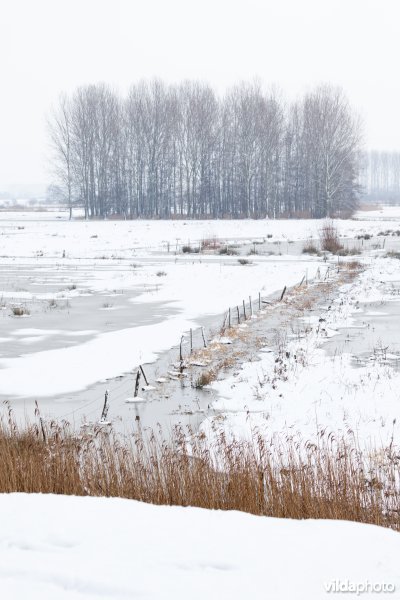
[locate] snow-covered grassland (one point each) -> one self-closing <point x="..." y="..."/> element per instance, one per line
<point x="134" y="277"/>
<point x="103" y="297"/>
<point x="301" y="390"/>
<point x="111" y="264"/>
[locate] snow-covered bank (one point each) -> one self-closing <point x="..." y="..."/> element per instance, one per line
<point x="301" y="390"/>
<point x="189" y="291"/>
<point x="56" y="547"/>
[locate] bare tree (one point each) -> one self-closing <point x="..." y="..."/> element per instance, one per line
<point x="60" y="132"/>
<point x="179" y="150"/>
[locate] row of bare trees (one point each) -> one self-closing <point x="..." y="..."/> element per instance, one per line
<point x="381" y="176"/>
<point x="180" y="151"/>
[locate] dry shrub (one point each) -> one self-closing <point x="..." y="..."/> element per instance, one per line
<point x="329" y="238"/>
<point x="329" y="480"/>
<point x="310" y="248"/>
<point x="19" y="311"/>
<point x="187" y="249"/>
<point x="348" y="251"/>
<point x="205" y="378"/>
<point x="229" y="250"/>
<point x="353" y="265"/>
<point x="210" y="244"/>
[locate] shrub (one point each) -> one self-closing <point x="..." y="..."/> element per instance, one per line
<point x="19" y="311"/>
<point x="310" y="248"/>
<point x="189" y="249"/>
<point x="210" y="244"/>
<point x="329" y="238"/>
<point x="205" y="378"/>
<point x="353" y="265"/>
<point x="229" y="250"/>
<point x="348" y="251"/>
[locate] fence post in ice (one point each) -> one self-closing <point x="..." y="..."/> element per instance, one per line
<point x="229" y="318"/>
<point x="144" y="375"/>
<point x="137" y="384"/>
<point x="251" y="307"/>
<point x="259" y="300"/>
<point x="105" y="407"/>
<point x="180" y="350"/>
<point x="283" y="293"/>
<point x="238" y="314"/>
<point x="191" y="341"/>
<point x="204" y="337"/>
<point x="244" y="310"/>
<point x="301" y="282"/>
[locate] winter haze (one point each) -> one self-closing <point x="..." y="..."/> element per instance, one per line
<point x="48" y="47"/>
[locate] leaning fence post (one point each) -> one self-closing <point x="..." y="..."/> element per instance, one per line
<point x="144" y="375"/>
<point x="283" y="293"/>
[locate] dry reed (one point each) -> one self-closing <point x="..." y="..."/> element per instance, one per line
<point x="279" y="478"/>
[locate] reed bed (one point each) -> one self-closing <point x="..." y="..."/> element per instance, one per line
<point x="279" y="478"/>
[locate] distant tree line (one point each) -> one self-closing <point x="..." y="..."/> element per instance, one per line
<point x="381" y="176"/>
<point x="179" y="151"/>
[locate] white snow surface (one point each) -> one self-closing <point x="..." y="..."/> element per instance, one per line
<point x="110" y="258"/>
<point x="313" y="391"/>
<point x="63" y="547"/>
<point x="33" y="234"/>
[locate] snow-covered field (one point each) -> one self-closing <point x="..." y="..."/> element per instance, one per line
<point x="303" y="390"/>
<point x="103" y="297"/>
<point x="144" y="293"/>
<point x="56" y="547"/>
<point x="100" y="298"/>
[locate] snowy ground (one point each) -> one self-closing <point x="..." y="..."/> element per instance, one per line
<point x="104" y="297"/>
<point x="300" y="389"/>
<point x="56" y="547"/>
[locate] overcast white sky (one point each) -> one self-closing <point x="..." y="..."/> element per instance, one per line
<point x="49" y="46"/>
